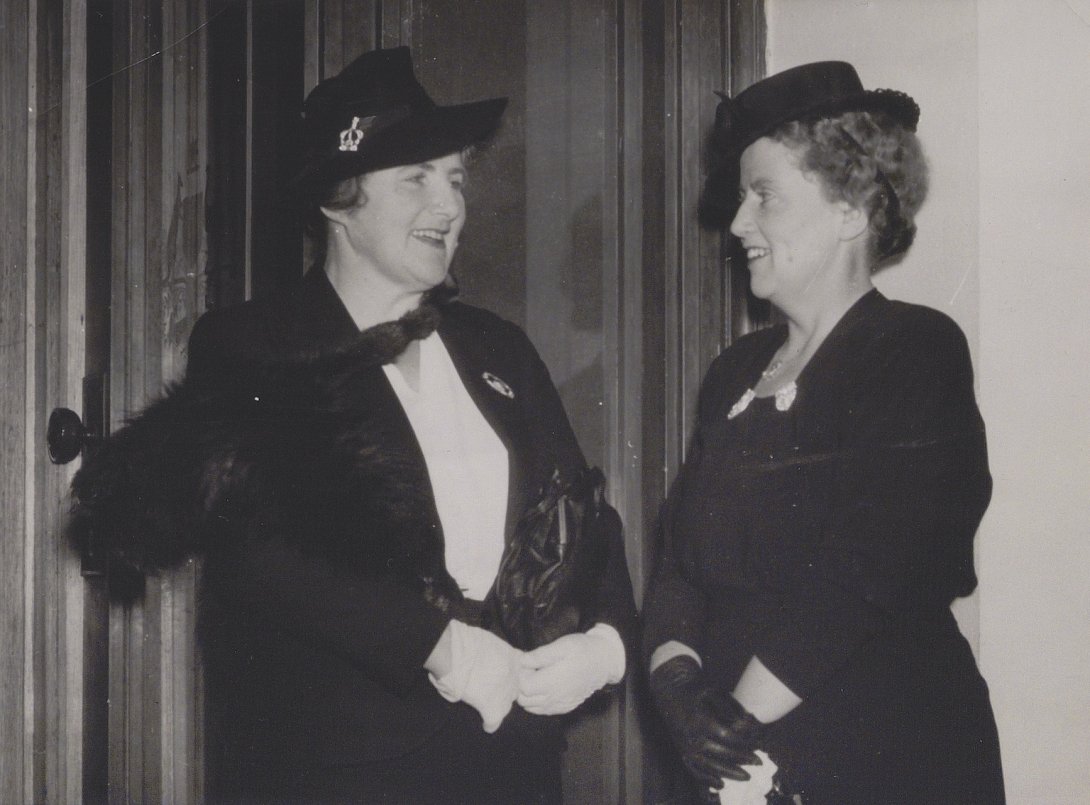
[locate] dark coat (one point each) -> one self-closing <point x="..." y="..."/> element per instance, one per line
<point x="829" y="541"/>
<point x="324" y="586"/>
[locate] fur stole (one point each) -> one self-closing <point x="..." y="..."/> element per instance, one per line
<point x="281" y="451"/>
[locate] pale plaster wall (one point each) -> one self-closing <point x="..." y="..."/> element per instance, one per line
<point x="1003" y="247"/>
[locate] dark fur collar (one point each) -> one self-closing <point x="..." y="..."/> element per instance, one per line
<point x="295" y="450"/>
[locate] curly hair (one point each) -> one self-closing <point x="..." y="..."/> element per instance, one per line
<point x="870" y="161"/>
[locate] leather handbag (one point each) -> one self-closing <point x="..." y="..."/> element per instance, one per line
<point x="552" y="568"/>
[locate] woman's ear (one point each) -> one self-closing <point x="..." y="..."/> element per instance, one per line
<point x="853" y="222"/>
<point x="334" y="216"/>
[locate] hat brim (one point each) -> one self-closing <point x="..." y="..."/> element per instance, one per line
<point x="422" y="135"/>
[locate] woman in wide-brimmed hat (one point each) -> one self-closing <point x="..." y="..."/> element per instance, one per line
<point x="824" y="519"/>
<point x="351" y="458"/>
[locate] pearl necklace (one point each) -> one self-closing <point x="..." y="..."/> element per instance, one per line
<point x="772" y="370"/>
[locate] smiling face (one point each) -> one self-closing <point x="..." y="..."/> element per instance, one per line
<point x="406" y="230"/>
<point x="792" y="233"/>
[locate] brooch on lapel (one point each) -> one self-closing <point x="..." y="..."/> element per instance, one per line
<point x="498" y="385"/>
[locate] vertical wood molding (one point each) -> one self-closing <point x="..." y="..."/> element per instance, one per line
<point x="177" y="260"/>
<point x="31" y="401"/>
<point x="64" y="765"/>
<point x="17" y="340"/>
<point x="708" y="47"/>
<point x="620" y="372"/>
<point x="41" y="320"/>
<point x="746" y="64"/>
<point x="626" y="380"/>
<point x="312" y="44"/>
<point x="705" y="46"/>
<point x="399" y="20"/>
<point x="248" y="223"/>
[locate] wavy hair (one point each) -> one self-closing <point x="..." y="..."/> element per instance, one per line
<point x="873" y="163"/>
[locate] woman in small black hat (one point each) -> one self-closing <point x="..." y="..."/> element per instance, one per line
<point x="824" y="519"/>
<point x="351" y="458"/>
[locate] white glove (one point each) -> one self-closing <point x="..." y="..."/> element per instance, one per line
<point x="484" y="673"/>
<point x="559" y="676"/>
<point x="754" y="790"/>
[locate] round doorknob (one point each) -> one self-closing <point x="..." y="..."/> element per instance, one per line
<point x="66" y="435"/>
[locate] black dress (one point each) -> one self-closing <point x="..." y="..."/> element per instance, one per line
<point x="829" y="539"/>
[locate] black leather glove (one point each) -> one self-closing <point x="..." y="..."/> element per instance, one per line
<point x="712" y="732"/>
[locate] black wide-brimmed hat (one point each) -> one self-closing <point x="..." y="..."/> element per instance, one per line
<point x="374" y="114"/>
<point x="807" y="92"/>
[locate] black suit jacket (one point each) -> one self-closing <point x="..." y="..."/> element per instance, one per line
<point x="316" y="659"/>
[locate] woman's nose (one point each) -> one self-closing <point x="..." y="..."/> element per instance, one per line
<point x="741" y="221"/>
<point x="445" y="199"/>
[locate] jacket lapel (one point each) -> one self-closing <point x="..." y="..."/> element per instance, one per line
<point x="320" y="320"/>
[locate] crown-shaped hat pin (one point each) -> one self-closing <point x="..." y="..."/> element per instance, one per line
<point x="353" y="135"/>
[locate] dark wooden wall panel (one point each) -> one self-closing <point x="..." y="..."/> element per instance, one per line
<point x="276" y="81"/>
<point x="41" y="306"/>
<point x="15" y="30"/>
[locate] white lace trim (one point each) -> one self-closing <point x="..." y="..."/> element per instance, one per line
<point x="785" y="398"/>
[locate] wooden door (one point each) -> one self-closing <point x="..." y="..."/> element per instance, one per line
<point x="145" y="143"/>
<point x="145" y="257"/>
<point x="42" y="302"/>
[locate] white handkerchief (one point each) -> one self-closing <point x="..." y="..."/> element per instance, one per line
<point x="753" y="790"/>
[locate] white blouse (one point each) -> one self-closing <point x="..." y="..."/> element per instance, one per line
<point x="467" y="466"/>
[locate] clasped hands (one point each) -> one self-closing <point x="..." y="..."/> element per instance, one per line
<point x="490" y="675"/>
<point x="712" y="732"/>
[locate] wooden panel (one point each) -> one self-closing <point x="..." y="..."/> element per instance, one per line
<point x="178" y="257"/>
<point x="699" y="301"/>
<point x="45" y="310"/>
<point x="275" y="235"/>
<point x="98" y="267"/>
<point x="348" y="28"/>
<point x="159" y="243"/>
<point x="225" y="278"/>
<point x="708" y="47"/>
<point x="742" y="311"/>
<point x="64" y="742"/>
<point x="695" y="55"/>
<point x="127" y="760"/>
<point x="17" y="342"/>
<point x="55" y="306"/>
<point x="40" y="359"/>
<point x="634" y="383"/>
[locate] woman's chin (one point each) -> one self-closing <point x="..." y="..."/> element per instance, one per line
<point x="760" y="289"/>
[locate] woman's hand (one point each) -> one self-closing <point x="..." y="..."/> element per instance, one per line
<point x="713" y="733"/>
<point x="559" y="676"/>
<point x="472" y="665"/>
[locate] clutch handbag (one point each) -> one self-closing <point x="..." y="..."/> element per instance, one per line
<point x="552" y="568"/>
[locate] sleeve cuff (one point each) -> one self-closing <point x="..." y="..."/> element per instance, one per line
<point x="669" y="650"/>
<point x="615" y="653"/>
